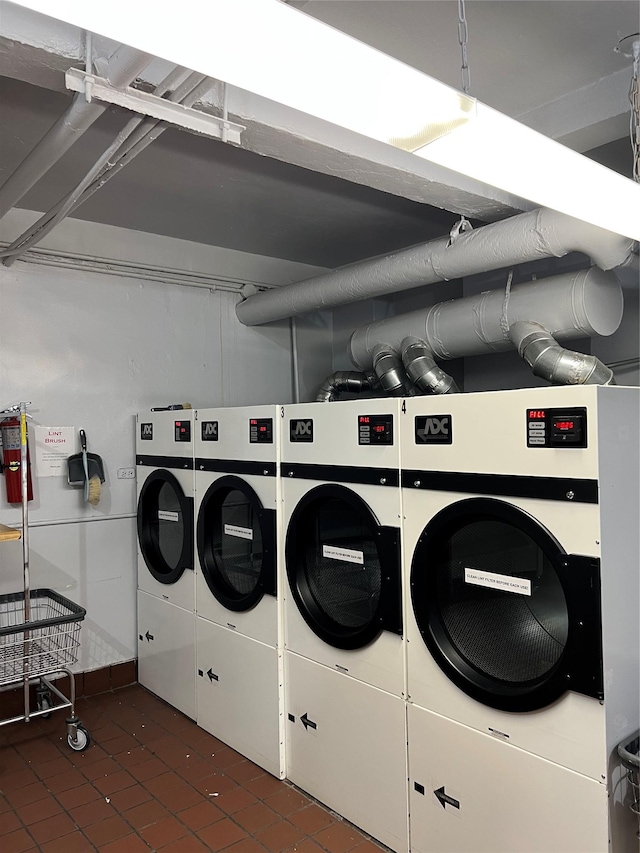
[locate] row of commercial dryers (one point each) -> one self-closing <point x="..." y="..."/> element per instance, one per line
<point x="423" y="612"/>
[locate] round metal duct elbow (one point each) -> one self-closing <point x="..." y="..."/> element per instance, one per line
<point x="346" y="381"/>
<point x="389" y="369"/>
<point x="550" y="361"/>
<point x="422" y="369"/>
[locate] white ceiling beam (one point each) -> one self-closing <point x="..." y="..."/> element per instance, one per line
<point x="587" y="118"/>
<point x="28" y="53"/>
<point x="273" y="50"/>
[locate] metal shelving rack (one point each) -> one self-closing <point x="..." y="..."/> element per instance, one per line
<point x="39" y="629"/>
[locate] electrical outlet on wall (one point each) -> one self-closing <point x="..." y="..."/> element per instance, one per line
<point x="126" y="473"/>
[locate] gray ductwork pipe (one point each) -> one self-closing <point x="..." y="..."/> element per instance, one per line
<point x="346" y="381"/>
<point x="123" y="67"/>
<point x="390" y="371"/>
<point x="578" y="304"/>
<point x="422" y="369"/>
<point x="560" y="366"/>
<point x="526" y="237"/>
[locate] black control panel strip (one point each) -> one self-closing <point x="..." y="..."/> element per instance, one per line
<point x="504" y="485"/>
<point x="342" y="474"/>
<point x="237" y="466"/>
<point x="183" y="462"/>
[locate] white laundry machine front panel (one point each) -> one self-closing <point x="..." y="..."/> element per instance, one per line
<point x="346" y="746"/>
<point x="521" y="566"/>
<point x="380" y="661"/>
<point x="341" y="538"/>
<point x="237" y="505"/>
<point x="238" y="690"/>
<point x="237" y="530"/>
<point x="469" y="793"/>
<point x="361" y="433"/>
<point x="166" y="652"/>
<point x="165" y="495"/>
<point x="246" y="433"/>
<point x="487" y="433"/>
<point x="570" y="729"/>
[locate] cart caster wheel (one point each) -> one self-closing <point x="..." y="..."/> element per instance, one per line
<point x="82" y="739"/>
<point x="44" y="702"/>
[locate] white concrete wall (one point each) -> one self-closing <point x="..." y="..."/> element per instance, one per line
<point x="91" y="349"/>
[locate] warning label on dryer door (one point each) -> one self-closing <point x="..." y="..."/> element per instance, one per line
<point x="345" y="554"/>
<point x="507" y="583"/>
<point x="240" y="532"/>
<point x="165" y="515"/>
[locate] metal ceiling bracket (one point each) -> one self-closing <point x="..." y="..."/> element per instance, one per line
<point x="151" y="105"/>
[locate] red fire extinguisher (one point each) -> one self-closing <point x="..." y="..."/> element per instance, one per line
<point x="11" y="461"/>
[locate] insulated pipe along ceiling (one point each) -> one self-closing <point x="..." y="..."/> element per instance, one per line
<point x="527" y="237"/>
<point x="578" y="304"/>
<point x="123" y="67"/>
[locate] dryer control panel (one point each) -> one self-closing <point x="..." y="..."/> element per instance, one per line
<point x="182" y="431"/>
<point x="260" y="430"/>
<point x="557" y="427"/>
<point x="375" y="429"/>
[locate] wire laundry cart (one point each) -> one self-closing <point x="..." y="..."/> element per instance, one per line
<point x="629" y="754"/>
<point x="39" y="631"/>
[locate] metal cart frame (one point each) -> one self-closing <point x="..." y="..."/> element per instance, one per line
<point x="629" y="754"/>
<point x="39" y="631"/>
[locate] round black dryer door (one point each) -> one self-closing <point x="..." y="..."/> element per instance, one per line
<point x="165" y="527"/>
<point x="236" y="544"/>
<point x="511" y="618"/>
<point x="343" y="568"/>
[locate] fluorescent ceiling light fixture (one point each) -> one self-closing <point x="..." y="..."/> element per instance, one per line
<point x="273" y="50"/>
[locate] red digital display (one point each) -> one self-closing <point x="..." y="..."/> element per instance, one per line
<point x="379" y="428"/>
<point x="364" y="419"/>
<point x="536" y="414"/>
<point x="262" y="429"/>
<point x="564" y="425"/>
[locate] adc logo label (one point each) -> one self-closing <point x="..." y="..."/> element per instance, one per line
<point x="209" y="430"/>
<point x="434" y="429"/>
<point x="146" y="432"/>
<point x="301" y="430"/>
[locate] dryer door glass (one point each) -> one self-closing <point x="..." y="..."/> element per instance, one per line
<point x="236" y="544"/>
<point x="501" y="601"/>
<point x="165" y="526"/>
<point x="342" y="567"/>
<point x="491" y="595"/>
<point x="170" y="525"/>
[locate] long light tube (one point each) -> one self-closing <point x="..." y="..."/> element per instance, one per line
<point x="275" y="51"/>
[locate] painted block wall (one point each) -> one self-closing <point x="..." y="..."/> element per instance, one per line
<point x="89" y="350"/>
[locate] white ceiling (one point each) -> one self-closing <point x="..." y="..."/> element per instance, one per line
<point x="550" y="63"/>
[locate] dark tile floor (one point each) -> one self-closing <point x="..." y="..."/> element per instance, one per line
<point x="151" y="780"/>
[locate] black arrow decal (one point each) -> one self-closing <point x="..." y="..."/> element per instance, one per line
<point x="445" y="799"/>
<point x="212" y="675"/>
<point x="149" y="636"/>
<point x="307" y="723"/>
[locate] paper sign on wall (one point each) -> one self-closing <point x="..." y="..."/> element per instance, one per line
<point x="53" y="447"/>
